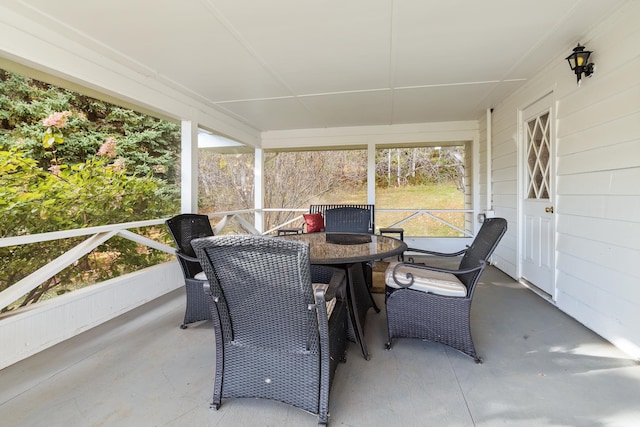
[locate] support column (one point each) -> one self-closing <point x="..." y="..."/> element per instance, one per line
<point x="189" y="167"/>
<point x="258" y="186"/>
<point x="475" y="182"/>
<point x="371" y="173"/>
<point x="489" y="194"/>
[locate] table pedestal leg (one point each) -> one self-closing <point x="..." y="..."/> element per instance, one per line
<point x="359" y="300"/>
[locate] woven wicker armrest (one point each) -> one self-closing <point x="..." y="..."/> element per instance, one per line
<point x="444" y="254"/>
<point x="336" y="285"/>
<point x="186" y="257"/>
<point x="334" y="288"/>
<point x="480" y="266"/>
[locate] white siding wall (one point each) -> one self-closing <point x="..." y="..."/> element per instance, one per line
<point x="505" y="184"/>
<point x="598" y="171"/>
<point x="29" y="330"/>
<point x="482" y="165"/>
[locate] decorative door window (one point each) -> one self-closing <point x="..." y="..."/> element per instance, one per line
<point x="538" y="136"/>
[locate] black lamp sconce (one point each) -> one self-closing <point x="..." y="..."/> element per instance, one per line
<point x="579" y="62"/>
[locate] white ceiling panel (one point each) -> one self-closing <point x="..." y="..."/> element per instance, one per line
<point x="281" y="113"/>
<point x="352" y="109"/>
<point x="439" y="104"/>
<point x="461" y="41"/>
<point x="318" y="46"/>
<point x="181" y="41"/>
<point x="292" y="64"/>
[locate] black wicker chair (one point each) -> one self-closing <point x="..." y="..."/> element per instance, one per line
<point x="351" y="219"/>
<point x="354" y="219"/>
<point x="434" y="303"/>
<point x="274" y="336"/>
<point x="184" y="228"/>
<point x="347" y="219"/>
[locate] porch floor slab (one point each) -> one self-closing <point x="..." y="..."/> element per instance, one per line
<point x="540" y="368"/>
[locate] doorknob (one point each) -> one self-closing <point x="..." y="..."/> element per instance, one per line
<point x="548" y="209"/>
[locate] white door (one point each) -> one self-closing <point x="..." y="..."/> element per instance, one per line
<point x="538" y="250"/>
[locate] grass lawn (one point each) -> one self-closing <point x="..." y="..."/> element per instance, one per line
<point x="413" y="198"/>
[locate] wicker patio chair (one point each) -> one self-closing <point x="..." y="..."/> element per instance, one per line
<point x="350" y="219"/>
<point x="184" y="228"/>
<point x="434" y="303"/>
<point x="275" y="338"/>
<point x="321" y="209"/>
<point x="347" y="219"/>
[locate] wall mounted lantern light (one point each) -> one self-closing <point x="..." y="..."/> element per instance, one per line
<point x="579" y="62"/>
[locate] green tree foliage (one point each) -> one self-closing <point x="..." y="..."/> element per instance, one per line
<point x="148" y="144"/>
<point x="68" y="161"/>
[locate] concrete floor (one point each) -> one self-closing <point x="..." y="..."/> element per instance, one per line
<point x="541" y="368"/>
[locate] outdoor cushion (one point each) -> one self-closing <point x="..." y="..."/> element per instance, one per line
<point x="314" y="222"/>
<point x="200" y="276"/>
<point x="429" y="281"/>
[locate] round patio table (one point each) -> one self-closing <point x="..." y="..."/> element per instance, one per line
<point x="350" y="251"/>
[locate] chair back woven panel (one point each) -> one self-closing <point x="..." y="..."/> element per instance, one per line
<point x="266" y="285"/>
<point x="347" y="219"/>
<point x="369" y="208"/>
<point x="184" y="228"/>
<point x="481" y="248"/>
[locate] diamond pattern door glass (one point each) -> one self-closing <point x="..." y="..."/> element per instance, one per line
<point x="538" y="137"/>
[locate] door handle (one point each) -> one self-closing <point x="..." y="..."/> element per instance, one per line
<point x="548" y="209"/>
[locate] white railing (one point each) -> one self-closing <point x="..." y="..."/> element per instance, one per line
<point x="430" y="213"/>
<point x="100" y="234"/>
<point x="95" y="237"/>
<point x="410" y="214"/>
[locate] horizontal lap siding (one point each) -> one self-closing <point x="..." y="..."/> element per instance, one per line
<point x="604" y="313"/>
<point x="618" y="208"/>
<point x="504" y="181"/>
<point x="598" y="179"/>
<point x="598" y="196"/>
<point x="505" y="197"/>
<point x="621" y="129"/>
<point x="482" y="163"/>
<point x="599" y="241"/>
<point x="619" y="182"/>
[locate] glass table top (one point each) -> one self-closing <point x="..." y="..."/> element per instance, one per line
<point x="343" y="248"/>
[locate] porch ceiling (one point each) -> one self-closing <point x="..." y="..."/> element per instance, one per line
<point x="292" y="64"/>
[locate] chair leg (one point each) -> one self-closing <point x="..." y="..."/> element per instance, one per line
<point x="216" y="402"/>
<point x="196" y="308"/>
<point x="387" y="345"/>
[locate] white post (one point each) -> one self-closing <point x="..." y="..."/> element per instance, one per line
<point x="475" y="182"/>
<point x="258" y="186"/>
<point x="189" y="166"/>
<point x="371" y="173"/>
<point x="489" y="202"/>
